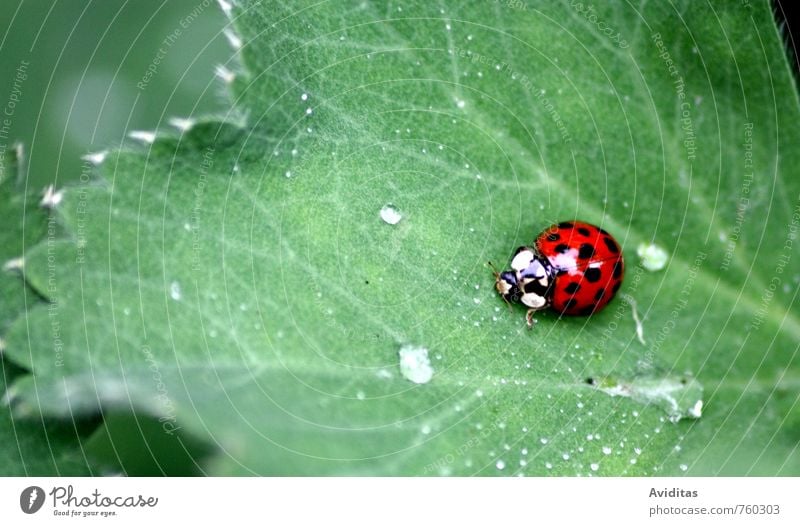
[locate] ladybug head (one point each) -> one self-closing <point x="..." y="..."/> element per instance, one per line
<point x="507" y="286"/>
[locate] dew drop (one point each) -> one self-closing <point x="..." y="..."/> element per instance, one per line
<point x="652" y="256"/>
<point x="390" y="214"/>
<point x="500" y="464"/>
<point x="415" y="365"/>
<point x="175" y="291"/>
<point x="594" y="466"/>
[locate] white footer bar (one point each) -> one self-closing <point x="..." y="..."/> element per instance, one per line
<point x="401" y="501"/>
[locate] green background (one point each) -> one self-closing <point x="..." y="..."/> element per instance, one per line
<point x="86" y="58"/>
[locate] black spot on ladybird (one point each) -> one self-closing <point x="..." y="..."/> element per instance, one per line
<point x="572" y="287"/>
<point x="616" y="288"/>
<point x="603" y="231"/>
<point x="535" y="287"/>
<point x="570" y="304"/>
<point x="565" y="224"/>
<point x="592" y="275"/>
<point x="584" y="232"/>
<point x="599" y="294"/>
<point x="553" y="236"/>
<point x="561" y="248"/>
<point x="611" y="244"/>
<point x="617" y="269"/>
<point x="586" y="311"/>
<point x="586" y="251"/>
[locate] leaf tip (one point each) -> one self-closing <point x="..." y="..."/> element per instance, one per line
<point x="225" y="74"/>
<point x="51" y="197"/>
<point x="181" y="124"/>
<point x="226" y="7"/>
<point x="146" y="137"/>
<point x="233" y="38"/>
<point x="96" y="158"/>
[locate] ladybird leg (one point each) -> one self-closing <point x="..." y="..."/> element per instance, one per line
<point x="529" y="318"/>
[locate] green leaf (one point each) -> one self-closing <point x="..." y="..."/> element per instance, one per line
<point x="238" y="284"/>
<point x="35" y="447"/>
<point x="25" y="225"/>
<point x="38" y="447"/>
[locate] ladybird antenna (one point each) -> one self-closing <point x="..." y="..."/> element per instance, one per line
<point x="494" y="269"/>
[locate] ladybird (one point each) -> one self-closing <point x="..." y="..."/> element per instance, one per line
<point x="574" y="268"/>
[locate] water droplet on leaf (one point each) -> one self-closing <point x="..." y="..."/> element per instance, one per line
<point x="652" y="256"/>
<point x="175" y="291"/>
<point x="390" y="214"/>
<point x="415" y="365"/>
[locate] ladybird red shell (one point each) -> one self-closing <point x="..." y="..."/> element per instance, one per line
<point x="588" y="266"/>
